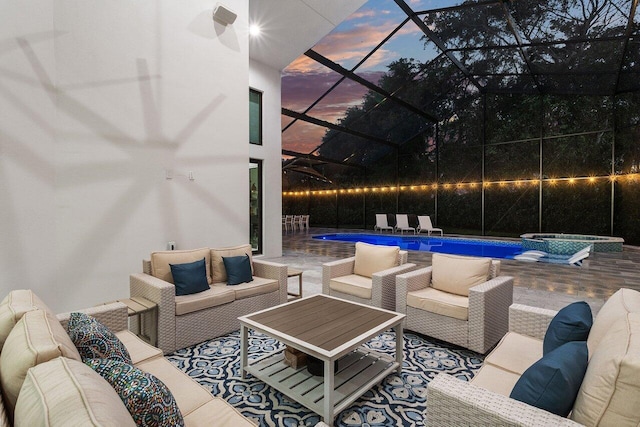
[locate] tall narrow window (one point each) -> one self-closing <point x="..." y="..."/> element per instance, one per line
<point x="255" y="117"/>
<point x="255" y="205"/>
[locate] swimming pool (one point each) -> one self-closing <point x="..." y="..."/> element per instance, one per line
<point x="446" y="245"/>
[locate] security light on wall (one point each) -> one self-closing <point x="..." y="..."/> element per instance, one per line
<point x="224" y="15"/>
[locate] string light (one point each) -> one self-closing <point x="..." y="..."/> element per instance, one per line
<point x="591" y="179"/>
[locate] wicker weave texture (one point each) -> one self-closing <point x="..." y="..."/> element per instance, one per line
<point x="112" y="315"/>
<point x="202" y="325"/>
<point x="530" y="321"/>
<point x="272" y="270"/>
<point x="454" y="402"/>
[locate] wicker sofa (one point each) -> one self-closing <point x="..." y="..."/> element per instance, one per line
<point x="609" y="394"/>
<point x="190" y="319"/>
<point x="44" y="382"/>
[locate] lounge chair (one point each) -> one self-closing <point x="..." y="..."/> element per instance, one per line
<point x="535" y="256"/>
<point x="402" y="224"/>
<point x="426" y="225"/>
<point x="381" y="223"/>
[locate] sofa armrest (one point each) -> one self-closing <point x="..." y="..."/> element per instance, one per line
<point x="272" y="270"/>
<point x="163" y="294"/>
<point x="383" y="285"/>
<point x="489" y="304"/>
<point x="530" y="321"/>
<point x="409" y="282"/>
<point x="341" y="267"/>
<point x="113" y="315"/>
<point x="454" y="402"/>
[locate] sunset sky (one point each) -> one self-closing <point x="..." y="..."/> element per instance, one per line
<point x="304" y="80"/>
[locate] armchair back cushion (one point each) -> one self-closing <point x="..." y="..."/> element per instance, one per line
<point x="219" y="273"/>
<point x="14" y="306"/>
<point x="621" y="303"/>
<point x="610" y="394"/>
<point x="160" y="261"/>
<point x="373" y="258"/>
<point x="456" y="274"/>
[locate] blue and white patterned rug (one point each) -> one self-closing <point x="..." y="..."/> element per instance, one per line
<point x="398" y="400"/>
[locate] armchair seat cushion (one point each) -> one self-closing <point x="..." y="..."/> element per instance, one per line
<point x="138" y="349"/>
<point x="258" y="286"/>
<point x="215" y="295"/>
<point x="495" y="379"/>
<point x="515" y="353"/>
<point x="456" y="274"/>
<point x="352" y="284"/>
<point x="439" y="302"/>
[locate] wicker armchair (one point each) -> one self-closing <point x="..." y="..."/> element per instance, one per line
<point x="477" y="322"/>
<point x="348" y="279"/>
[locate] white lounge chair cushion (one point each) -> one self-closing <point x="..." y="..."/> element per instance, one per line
<point x="216" y="295"/>
<point x="610" y="393"/>
<point x="495" y="379"/>
<point x="160" y="261"/>
<point x="353" y="284"/>
<point x="14" y="306"/>
<point x="67" y="392"/>
<point x="373" y="258"/>
<point x="456" y="274"/>
<point x="37" y="338"/>
<point x="515" y="353"/>
<point x="618" y="305"/>
<point x="439" y="302"/>
<point x="219" y="273"/>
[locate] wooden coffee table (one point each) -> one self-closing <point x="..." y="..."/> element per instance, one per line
<point x="332" y="330"/>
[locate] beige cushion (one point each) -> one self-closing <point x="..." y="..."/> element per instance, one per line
<point x="456" y="274"/>
<point x="215" y="295"/>
<point x="13" y="306"/>
<point x="438" y="302"/>
<point x="65" y="392"/>
<point x="618" y="305"/>
<point x="258" y="286"/>
<point x="610" y="391"/>
<point x="160" y="261"/>
<point x="218" y="273"/>
<point x="188" y="393"/>
<point x="137" y="348"/>
<point x="217" y="409"/>
<point x="352" y="284"/>
<point x="373" y="258"/>
<point x="515" y="353"/>
<point x="37" y="338"/>
<point x="495" y="379"/>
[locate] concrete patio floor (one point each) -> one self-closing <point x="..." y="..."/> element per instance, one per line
<point x="539" y="284"/>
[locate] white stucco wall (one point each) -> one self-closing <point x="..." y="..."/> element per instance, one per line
<point x="98" y="101"/>
<point x="267" y="80"/>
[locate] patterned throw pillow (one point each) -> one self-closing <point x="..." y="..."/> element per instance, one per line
<point x="148" y="400"/>
<point x="94" y="340"/>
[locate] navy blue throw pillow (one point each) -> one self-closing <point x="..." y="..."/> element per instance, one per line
<point x="572" y="323"/>
<point x="190" y="278"/>
<point x="553" y="382"/>
<point x="238" y="269"/>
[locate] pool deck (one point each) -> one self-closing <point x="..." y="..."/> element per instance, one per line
<point x="539" y="284"/>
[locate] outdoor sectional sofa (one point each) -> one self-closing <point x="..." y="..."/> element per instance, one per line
<point x="609" y="394"/>
<point x="190" y="319"/>
<point x="44" y="382"/>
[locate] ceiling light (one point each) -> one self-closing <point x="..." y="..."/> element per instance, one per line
<point x="254" y="30"/>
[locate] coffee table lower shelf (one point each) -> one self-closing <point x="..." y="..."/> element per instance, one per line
<point x="357" y="372"/>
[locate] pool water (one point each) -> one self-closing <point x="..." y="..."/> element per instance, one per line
<point x="446" y="245"/>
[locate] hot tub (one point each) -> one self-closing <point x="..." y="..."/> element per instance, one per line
<point x="569" y="244"/>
